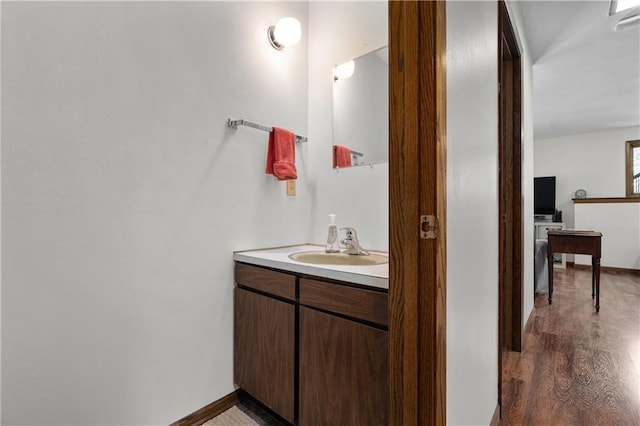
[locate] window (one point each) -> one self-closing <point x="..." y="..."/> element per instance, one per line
<point x="633" y="168"/>
<point x="618" y="6"/>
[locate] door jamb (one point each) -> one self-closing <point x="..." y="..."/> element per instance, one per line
<point x="510" y="299"/>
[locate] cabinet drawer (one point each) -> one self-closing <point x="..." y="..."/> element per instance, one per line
<point x="266" y="280"/>
<point x="367" y="305"/>
<point x="543" y="229"/>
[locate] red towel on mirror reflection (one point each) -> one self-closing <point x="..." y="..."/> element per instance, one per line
<point x="281" y="154"/>
<point x="341" y="156"/>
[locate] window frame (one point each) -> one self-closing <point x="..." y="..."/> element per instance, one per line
<point x="629" y="147"/>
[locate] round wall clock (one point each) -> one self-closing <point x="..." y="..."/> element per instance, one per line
<point x="581" y="193"/>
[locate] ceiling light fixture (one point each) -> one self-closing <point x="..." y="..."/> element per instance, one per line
<point x="618" y="6"/>
<point x="285" y="33"/>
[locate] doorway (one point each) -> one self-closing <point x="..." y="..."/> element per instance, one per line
<point x="417" y="189"/>
<point x="510" y="286"/>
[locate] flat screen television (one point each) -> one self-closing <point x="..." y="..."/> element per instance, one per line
<point x="544" y="195"/>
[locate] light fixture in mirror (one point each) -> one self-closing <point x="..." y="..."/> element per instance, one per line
<point x="361" y="111"/>
<point x="344" y="71"/>
<point x="633" y="168"/>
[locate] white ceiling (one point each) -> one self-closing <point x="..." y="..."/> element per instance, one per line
<point x="586" y="77"/>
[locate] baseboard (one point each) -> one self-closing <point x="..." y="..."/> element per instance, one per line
<point x="604" y="268"/>
<point x="495" y="419"/>
<point x="529" y="324"/>
<point x="208" y="411"/>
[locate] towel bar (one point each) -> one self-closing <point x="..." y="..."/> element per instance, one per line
<point x="235" y="123"/>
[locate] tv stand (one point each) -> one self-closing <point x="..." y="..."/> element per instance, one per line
<point x="541" y="228"/>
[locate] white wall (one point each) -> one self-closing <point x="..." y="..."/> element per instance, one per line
<point x="472" y="211"/>
<point x="620" y="227"/>
<point x="340" y="31"/>
<point x="472" y="208"/>
<point x="124" y="196"/>
<point x="1" y="185"/>
<point x="594" y="162"/>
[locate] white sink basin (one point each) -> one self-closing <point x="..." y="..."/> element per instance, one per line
<point x="322" y="258"/>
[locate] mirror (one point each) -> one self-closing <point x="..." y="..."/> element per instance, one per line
<point x="633" y="168"/>
<point x="361" y="110"/>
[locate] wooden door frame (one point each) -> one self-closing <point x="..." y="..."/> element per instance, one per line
<point x="510" y="159"/>
<point x="417" y="186"/>
<point x="511" y="212"/>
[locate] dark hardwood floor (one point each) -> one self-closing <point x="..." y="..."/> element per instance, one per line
<point x="578" y="367"/>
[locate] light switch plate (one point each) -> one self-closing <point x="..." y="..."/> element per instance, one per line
<point x="291" y="188"/>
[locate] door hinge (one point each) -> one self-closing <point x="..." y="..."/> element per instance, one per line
<point x="429" y="227"/>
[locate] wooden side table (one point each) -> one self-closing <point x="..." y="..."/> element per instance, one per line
<point x="576" y="242"/>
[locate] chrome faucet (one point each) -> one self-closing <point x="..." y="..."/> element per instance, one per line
<point x="352" y="244"/>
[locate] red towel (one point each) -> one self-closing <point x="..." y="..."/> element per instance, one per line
<point x="281" y="154"/>
<point x="341" y="156"/>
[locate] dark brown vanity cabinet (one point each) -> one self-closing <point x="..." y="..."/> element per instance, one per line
<point x="323" y="346"/>
<point x="264" y="338"/>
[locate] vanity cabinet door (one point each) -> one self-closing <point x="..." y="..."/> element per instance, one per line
<point x="344" y="371"/>
<point x="264" y="350"/>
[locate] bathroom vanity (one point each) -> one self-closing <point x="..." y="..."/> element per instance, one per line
<point x="311" y="341"/>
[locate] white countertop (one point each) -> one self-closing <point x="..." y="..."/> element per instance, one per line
<point x="278" y="258"/>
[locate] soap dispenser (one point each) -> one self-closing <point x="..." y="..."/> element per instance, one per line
<point x="332" y="236"/>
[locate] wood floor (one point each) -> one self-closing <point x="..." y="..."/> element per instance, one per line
<point x="578" y="367"/>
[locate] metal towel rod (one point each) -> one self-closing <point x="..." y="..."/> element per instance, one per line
<point x="235" y="123"/>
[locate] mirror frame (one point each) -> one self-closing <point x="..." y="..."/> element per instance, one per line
<point x="630" y="146"/>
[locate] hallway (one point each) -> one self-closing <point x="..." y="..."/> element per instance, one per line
<point x="578" y="367"/>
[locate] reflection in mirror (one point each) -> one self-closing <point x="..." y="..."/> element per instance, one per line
<point x="361" y="110"/>
<point x="633" y="168"/>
